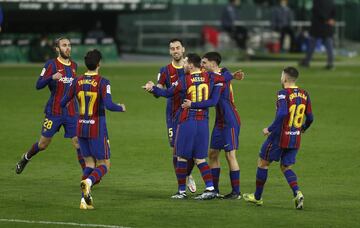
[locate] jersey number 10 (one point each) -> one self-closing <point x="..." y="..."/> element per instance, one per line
<point x="198" y="93"/>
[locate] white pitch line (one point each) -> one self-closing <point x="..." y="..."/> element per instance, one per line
<point x="61" y="223"/>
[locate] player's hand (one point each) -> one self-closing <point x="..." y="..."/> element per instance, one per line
<point x="57" y="76"/>
<point x="239" y="75"/>
<point x="266" y="131"/>
<point x="186" y="104"/>
<point x="123" y="107"/>
<point x="148" y="86"/>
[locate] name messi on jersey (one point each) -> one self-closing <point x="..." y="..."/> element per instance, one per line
<point x="298" y="94"/>
<point x="197" y="79"/>
<point x="87" y="82"/>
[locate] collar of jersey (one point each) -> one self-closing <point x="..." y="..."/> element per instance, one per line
<point x="196" y="72"/>
<point x="176" y="67"/>
<point x="90" y="74"/>
<point x="66" y="64"/>
<point x="293" y="87"/>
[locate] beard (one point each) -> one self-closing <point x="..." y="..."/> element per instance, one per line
<point x="64" y="55"/>
<point x="177" y="57"/>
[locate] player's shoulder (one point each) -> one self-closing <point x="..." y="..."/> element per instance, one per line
<point x="73" y="64"/>
<point x="50" y="62"/>
<point x="282" y="94"/>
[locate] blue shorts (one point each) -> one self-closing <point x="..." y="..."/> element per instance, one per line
<point x="192" y="139"/>
<point x="52" y="124"/>
<point x="172" y="124"/>
<point x="97" y="148"/>
<point x="270" y="151"/>
<point x="225" y="138"/>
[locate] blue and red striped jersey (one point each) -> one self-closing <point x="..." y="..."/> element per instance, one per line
<point x="196" y="87"/>
<point x="58" y="87"/>
<point x="226" y="113"/>
<point x="93" y="94"/>
<point x="293" y="116"/>
<point x="223" y="98"/>
<point x="168" y="75"/>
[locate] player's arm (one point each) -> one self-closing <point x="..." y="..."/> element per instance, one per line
<point x="107" y="99"/>
<point x="281" y="113"/>
<point x="69" y="94"/>
<point x="212" y="101"/>
<point x="227" y="76"/>
<point x="170" y="92"/>
<point x="309" y="115"/>
<point x="47" y="75"/>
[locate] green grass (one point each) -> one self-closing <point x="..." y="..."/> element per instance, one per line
<point x="136" y="191"/>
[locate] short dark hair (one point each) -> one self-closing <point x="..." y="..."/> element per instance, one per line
<point x="194" y="59"/>
<point x="57" y="41"/>
<point x="291" y="72"/>
<point x="213" y="56"/>
<point x="92" y="59"/>
<point x="176" y="40"/>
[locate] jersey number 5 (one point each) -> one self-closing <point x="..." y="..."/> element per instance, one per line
<point x="81" y="96"/>
<point x="198" y="93"/>
<point x="296" y="115"/>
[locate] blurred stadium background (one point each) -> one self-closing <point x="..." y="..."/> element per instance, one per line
<point x="118" y="27"/>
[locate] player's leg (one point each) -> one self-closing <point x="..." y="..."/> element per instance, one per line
<point x="234" y="174"/>
<point x="183" y="146"/>
<point x="70" y="123"/>
<point x="231" y="139"/>
<point x="200" y="152"/>
<point x="288" y="158"/>
<point x="216" y="144"/>
<point x="269" y="152"/>
<point x="42" y="144"/>
<point x="214" y="164"/>
<point x="75" y="143"/>
<point x="50" y="126"/>
<point x="181" y="170"/>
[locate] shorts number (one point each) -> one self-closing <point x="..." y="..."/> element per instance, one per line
<point x="198" y="93"/>
<point x="170" y="132"/>
<point x="81" y="96"/>
<point x="296" y="115"/>
<point x="47" y="123"/>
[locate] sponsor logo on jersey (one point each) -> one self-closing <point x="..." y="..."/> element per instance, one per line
<point x="292" y="133"/>
<point x="66" y="80"/>
<point x="108" y="90"/>
<point x="86" y="121"/>
<point x="43" y="72"/>
<point x="281" y="96"/>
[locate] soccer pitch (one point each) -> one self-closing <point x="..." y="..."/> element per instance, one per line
<point x="136" y="192"/>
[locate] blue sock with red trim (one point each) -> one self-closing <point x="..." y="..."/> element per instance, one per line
<point x="235" y="181"/>
<point x="292" y="180"/>
<point x="261" y="176"/>
<point x="215" y="172"/>
<point x="33" y="151"/>
<point x="206" y="175"/>
<point x="80" y="159"/>
<point x="98" y="173"/>
<point x="181" y="169"/>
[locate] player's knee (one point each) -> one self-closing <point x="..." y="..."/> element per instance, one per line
<point x="75" y="142"/>
<point x="263" y="163"/>
<point x="43" y="145"/>
<point x="231" y="156"/>
<point x="284" y="168"/>
<point x="213" y="156"/>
